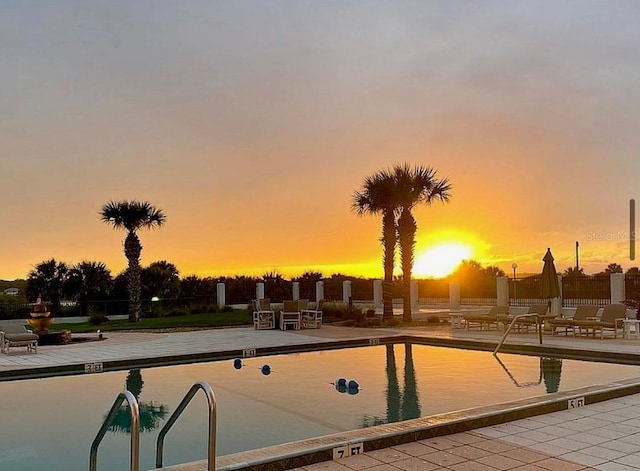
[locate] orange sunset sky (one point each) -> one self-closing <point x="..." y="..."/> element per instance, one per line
<point x="251" y="123"/>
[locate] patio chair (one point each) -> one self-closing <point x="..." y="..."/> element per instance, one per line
<point x="611" y="319"/>
<point x="17" y="335"/>
<point x="488" y="319"/>
<point x="290" y="315"/>
<point x="263" y="315"/>
<point x="526" y="322"/>
<point x="312" y="318"/>
<point x="583" y="312"/>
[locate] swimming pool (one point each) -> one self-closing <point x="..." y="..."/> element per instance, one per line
<point x="50" y="423"/>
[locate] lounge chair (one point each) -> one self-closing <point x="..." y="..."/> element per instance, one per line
<point x="486" y="319"/>
<point x="290" y="315"/>
<point x="612" y="317"/>
<point x="525" y="322"/>
<point x="312" y="318"/>
<point x="583" y="312"/>
<point x="17" y="335"/>
<point x="263" y="315"/>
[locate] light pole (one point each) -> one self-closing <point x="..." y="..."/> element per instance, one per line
<point x="514" y="266"/>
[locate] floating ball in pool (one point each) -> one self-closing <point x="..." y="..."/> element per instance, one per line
<point x="237" y="363"/>
<point x="353" y="384"/>
<point x="266" y="370"/>
<point x="341" y="382"/>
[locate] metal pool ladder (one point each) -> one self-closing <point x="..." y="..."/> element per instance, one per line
<point x="515" y="318"/>
<point x="211" y="401"/>
<point x="134" y="411"/>
<point x="135" y="427"/>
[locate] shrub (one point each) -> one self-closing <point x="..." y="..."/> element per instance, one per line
<point x="393" y="322"/>
<point x="433" y="319"/>
<point x="372" y="322"/>
<point x="370" y="313"/>
<point x="176" y="312"/>
<point x="226" y="308"/>
<point x="98" y="318"/>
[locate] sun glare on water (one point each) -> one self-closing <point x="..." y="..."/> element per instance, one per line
<point x="441" y="260"/>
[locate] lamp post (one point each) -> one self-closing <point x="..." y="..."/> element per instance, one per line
<point x="514" y="266"/>
<point x="155" y="299"/>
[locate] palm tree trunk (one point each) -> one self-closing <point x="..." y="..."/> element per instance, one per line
<point x="132" y="250"/>
<point x="133" y="285"/>
<point x="406" y="235"/>
<point x="389" y="245"/>
<point x="393" y="388"/>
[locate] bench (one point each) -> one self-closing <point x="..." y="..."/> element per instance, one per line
<point x="17" y="335"/>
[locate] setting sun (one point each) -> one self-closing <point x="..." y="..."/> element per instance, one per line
<point x="441" y="260"/>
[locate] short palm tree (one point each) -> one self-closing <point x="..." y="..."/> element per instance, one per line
<point x="47" y="280"/>
<point x="132" y="216"/>
<point x="413" y="185"/>
<point x="378" y="196"/>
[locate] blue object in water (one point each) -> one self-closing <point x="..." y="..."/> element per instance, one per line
<point x="353" y="384"/>
<point x="341" y="382"/>
<point x="266" y="370"/>
<point x="237" y="363"/>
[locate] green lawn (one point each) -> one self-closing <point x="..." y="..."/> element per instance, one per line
<point x="218" y="319"/>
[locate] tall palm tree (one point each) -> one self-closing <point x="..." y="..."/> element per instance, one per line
<point x="132" y="216"/>
<point x="378" y="196"/>
<point x="413" y="185"/>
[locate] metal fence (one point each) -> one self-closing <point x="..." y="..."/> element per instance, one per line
<point x="576" y="290"/>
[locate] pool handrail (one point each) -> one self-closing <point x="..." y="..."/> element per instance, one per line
<point x="134" y="411"/>
<point x="518" y="384"/>
<point x="513" y="321"/>
<point x="211" y="400"/>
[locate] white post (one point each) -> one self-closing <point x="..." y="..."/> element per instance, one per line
<point x="414" y="294"/>
<point x="295" y="286"/>
<point x="454" y="295"/>
<point x="346" y="291"/>
<point x="618" y="294"/>
<point x="222" y="301"/>
<point x="377" y="294"/>
<point x="319" y="290"/>
<point x="502" y="291"/>
<point x="259" y="290"/>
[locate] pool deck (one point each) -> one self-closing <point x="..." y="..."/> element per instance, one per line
<point x="603" y="435"/>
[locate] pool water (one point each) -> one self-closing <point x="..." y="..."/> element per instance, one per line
<point x="50" y="423"/>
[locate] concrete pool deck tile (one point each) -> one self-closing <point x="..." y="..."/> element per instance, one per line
<point x="494" y="446"/>
<point x="557" y="464"/>
<point x="439" y="443"/>
<point x="613" y="466"/>
<point x="467" y="438"/>
<point x="470" y="452"/>
<point x="500" y="462"/>
<point x="444" y="458"/>
<point x="388" y="455"/>
<point x="583" y="458"/>
<point x="416" y="464"/>
<point x="586" y="437"/>
<point x="630" y="460"/>
<point x="413" y="449"/>
<point x="358" y="462"/>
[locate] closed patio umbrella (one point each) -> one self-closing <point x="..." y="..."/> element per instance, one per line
<point x="550" y="288"/>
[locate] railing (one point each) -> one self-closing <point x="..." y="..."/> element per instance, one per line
<point x="211" y="400"/>
<point x="134" y="460"/>
<point x="513" y="322"/>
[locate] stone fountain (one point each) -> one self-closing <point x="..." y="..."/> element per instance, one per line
<point x="40" y="319"/>
<point x="40" y="322"/>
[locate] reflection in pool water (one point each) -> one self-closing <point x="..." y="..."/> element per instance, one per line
<point x="151" y="413"/>
<point x="297" y="400"/>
